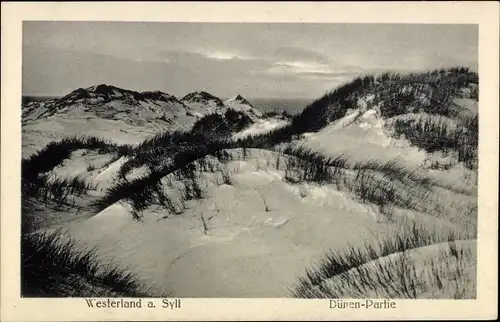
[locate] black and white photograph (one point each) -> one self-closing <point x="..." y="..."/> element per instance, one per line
<point x="249" y="160"/>
<point x="225" y="160"/>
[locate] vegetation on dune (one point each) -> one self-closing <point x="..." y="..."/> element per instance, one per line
<point x="57" y="190"/>
<point x="52" y="266"/>
<point x="147" y="189"/>
<point x="216" y="125"/>
<point x="443" y="127"/>
<point x="314" y="117"/>
<point x="331" y="106"/>
<point x="370" y="271"/>
<point x="385" y="184"/>
<point x="212" y="129"/>
<point x="38" y="185"/>
<point x="430" y="92"/>
<point x="159" y="151"/>
<point x="54" y="153"/>
<point x="442" y="134"/>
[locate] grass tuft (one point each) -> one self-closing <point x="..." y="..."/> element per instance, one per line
<point x="52" y="266"/>
<point x="371" y="271"/>
<point x="442" y="134"/>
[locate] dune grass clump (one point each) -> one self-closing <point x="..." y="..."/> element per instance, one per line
<point x="385" y="184"/>
<point x="266" y="206"/>
<point x="304" y="164"/>
<point x="193" y="189"/>
<point x="160" y="151"/>
<point x="376" y="188"/>
<point x="217" y="125"/>
<point x="369" y="189"/>
<point x="52" y="266"/>
<point x="430" y="92"/>
<point x="394" y="171"/>
<point x="226" y="177"/>
<point x="387" y="269"/>
<point x="318" y="167"/>
<point x="56" y="190"/>
<point x="146" y="190"/>
<point x="35" y="182"/>
<point x="54" y="153"/>
<point x="140" y="192"/>
<point x="307" y="154"/>
<point x="332" y="106"/>
<point x="440" y="134"/>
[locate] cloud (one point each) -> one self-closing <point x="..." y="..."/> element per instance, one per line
<point x="218" y="55"/>
<point x="293" y="56"/>
<point x="221" y="54"/>
<point x="217" y="63"/>
<point x="303" y="66"/>
<point x="201" y="54"/>
<point x="309" y="69"/>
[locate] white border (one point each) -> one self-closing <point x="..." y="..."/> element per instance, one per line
<point x="486" y="14"/>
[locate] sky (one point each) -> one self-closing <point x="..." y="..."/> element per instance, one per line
<point x="256" y="60"/>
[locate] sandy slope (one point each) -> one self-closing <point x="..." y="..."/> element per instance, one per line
<point x="364" y="135"/>
<point x="261" y="126"/>
<point x="120" y="121"/>
<point x="100" y="170"/>
<point x="360" y="136"/>
<point x="246" y="251"/>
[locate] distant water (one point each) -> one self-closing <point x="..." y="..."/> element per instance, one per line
<point x="291" y="105"/>
<point x="26" y="98"/>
